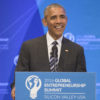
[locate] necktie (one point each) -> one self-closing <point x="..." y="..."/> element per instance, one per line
<point x="54" y="57"/>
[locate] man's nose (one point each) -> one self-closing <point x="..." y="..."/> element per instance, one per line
<point x="58" y="20"/>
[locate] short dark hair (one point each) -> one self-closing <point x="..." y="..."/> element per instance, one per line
<point x="50" y="6"/>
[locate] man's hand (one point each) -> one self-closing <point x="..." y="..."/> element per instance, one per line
<point x="13" y="93"/>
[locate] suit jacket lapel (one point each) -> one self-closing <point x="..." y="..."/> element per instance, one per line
<point x="44" y="53"/>
<point x="64" y="54"/>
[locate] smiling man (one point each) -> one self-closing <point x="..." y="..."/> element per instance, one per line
<point x="55" y="19"/>
<point x="51" y="52"/>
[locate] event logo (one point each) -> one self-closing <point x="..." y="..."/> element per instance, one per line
<point x="33" y="84"/>
<point x="70" y="36"/>
<point x="4" y="43"/>
<point x="16" y="59"/>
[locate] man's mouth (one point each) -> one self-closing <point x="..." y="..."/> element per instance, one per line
<point x="59" y="27"/>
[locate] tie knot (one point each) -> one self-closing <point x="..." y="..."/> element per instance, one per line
<point x="55" y="43"/>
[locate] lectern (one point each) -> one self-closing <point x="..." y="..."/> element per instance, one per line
<point x="55" y="86"/>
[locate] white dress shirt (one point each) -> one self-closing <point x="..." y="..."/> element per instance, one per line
<point x="50" y="40"/>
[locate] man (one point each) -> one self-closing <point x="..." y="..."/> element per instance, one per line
<point x="51" y="52"/>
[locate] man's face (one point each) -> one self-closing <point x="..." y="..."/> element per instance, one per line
<point x="56" y="21"/>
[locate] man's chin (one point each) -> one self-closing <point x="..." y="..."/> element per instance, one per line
<point x="58" y="35"/>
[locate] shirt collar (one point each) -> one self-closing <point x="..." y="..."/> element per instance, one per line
<point x="50" y="40"/>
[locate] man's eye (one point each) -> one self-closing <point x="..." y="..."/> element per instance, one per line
<point x="53" y="17"/>
<point x="62" y="16"/>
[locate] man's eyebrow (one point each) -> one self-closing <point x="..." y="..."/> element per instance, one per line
<point x="62" y="15"/>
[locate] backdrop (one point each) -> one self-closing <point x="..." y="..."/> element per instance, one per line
<point x="20" y="20"/>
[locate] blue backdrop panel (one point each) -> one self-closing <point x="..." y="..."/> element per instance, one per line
<point x="20" y="20"/>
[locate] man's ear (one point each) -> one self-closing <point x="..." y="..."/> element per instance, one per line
<point x="44" y="22"/>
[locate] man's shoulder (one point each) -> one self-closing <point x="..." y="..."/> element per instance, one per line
<point x="72" y="44"/>
<point x="34" y="41"/>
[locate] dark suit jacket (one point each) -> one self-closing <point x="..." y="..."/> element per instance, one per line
<point x="34" y="56"/>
